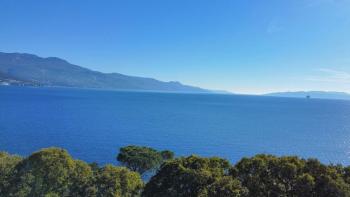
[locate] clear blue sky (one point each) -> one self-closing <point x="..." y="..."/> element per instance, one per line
<point x="242" y="46"/>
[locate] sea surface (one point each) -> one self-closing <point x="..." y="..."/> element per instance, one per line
<point x="93" y="124"/>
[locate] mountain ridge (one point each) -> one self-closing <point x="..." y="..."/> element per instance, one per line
<point x="30" y="69"/>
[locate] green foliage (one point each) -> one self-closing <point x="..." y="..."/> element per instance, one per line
<point x="304" y="185"/>
<point x="192" y="176"/>
<point x="142" y="159"/>
<point x="167" y="154"/>
<point x="50" y="170"/>
<point x="267" y="175"/>
<point x="53" y="172"/>
<point x="118" y="181"/>
<point x="51" y="195"/>
<point x="82" y="180"/>
<point x="329" y="180"/>
<point x="7" y="165"/>
<point x="262" y="175"/>
<point x="225" y="187"/>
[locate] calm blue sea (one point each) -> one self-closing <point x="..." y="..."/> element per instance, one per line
<point x="93" y="124"/>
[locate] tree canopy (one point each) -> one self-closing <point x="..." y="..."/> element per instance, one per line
<point x="267" y="175"/>
<point x="111" y="177"/>
<point x="7" y="164"/>
<point x="142" y="159"/>
<point x="52" y="172"/>
<point x="193" y="176"/>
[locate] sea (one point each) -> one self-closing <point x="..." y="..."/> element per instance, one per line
<point x="93" y="124"/>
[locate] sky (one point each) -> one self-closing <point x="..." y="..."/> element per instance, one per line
<point x="249" y="47"/>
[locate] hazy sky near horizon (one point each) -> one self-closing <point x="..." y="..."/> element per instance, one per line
<point x="236" y="45"/>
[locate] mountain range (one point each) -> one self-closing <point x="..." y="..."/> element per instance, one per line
<point x="29" y="69"/>
<point x="24" y="69"/>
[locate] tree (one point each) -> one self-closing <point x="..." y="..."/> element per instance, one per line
<point x="224" y="187"/>
<point x="191" y="176"/>
<point x="50" y="172"/>
<point x="142" y="159"/>
<point x="267" y="175"/>
<point x="304" y="185"/>
<point x="53" y="172"/>
<point x="7" y="164"/>
<point x="329" y="180"/>
<point x="114" y="181"/>
<point x="82" y="180"/>
<point x="167" y="154"/>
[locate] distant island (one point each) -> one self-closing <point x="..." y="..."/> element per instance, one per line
<point x="312" y="94"/>
<point x="24" y="69"/>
